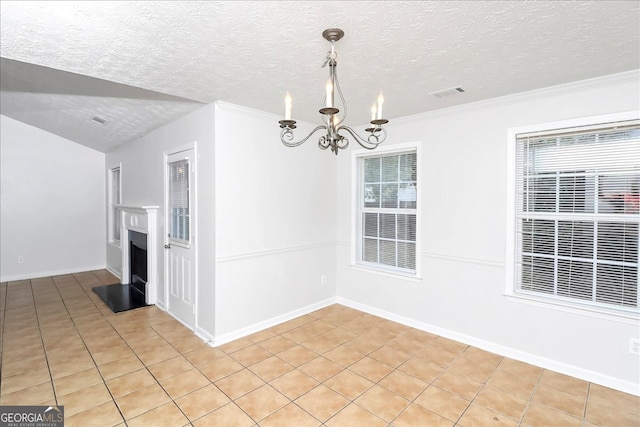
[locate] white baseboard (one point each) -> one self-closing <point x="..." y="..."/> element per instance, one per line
<point x="39" y="274"/>
<point x="116" y="273"/>
<point x="584" y="374"/>
<point x="199" y="332"/>
<point x="257" y="327"/>
<point x="204" y="336"/>
<point x="190" y="327"/>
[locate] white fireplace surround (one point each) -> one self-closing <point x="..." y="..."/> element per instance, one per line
<point x="142" y="219"/>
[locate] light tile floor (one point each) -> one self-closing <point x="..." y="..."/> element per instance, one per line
<point x="60" y="345"/>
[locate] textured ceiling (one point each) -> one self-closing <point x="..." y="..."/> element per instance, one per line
<point x="141" y="64"/>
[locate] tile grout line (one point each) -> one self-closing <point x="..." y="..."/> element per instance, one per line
<point x="484" y="384"/>
<point x="367" y="354"/>
<point x="322" y="351"/>
<point x="44" y="349"/>
<point x="160" y="384"/>
<point x="344" y="368"/>
<point x="530" y="399"/>
<point x="84" y="343"/>
<point x="104" y="381"/>
<point x="268" y="382"/>
<point x="146" y="367"/>
<point x="431" y="384"/>
<point x="4" y="323"/>
<point x="365" y="391"/>
<point x="397" y="368"/>
<point x="3" y="304"/>
<point x="586" y="401"/>
<point x="323" y="382"/>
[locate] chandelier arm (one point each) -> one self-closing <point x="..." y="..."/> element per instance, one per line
<point x="371" y="142"/>
<point x="286" y="136"/>
<point x="330" y="110"/>
<point x="344" y="103"/>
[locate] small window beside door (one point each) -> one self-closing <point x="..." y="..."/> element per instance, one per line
<point x="179" y="226"/>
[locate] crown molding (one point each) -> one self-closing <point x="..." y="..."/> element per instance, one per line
<point x="632" y="76"/>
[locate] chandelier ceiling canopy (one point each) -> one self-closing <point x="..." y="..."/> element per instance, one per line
<point x="333" y="129"/>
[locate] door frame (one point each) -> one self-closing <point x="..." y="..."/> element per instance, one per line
<point x="193" y="187"/>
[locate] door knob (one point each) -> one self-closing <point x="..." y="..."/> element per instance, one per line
<point x="167" y="246"/>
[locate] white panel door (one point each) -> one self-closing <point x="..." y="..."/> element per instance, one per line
<point x="180" y="243"/>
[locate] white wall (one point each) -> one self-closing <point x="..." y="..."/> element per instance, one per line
<point x="275" y="222"/>
<point x="266" y="224"/>
<point x="463" y="189"/>
<point x="142" y="177"/>
<point x="52" y="204"/>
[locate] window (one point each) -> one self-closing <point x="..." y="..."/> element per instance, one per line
<point x="387" y="211"/>
<point x="577" y="215"/>
<point x="115" y="198"/>
<point x="179" y="200"/>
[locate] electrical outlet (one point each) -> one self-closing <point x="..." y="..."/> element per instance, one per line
<point x="634" y="346"/>
<point x="20" y="259"/>
<point x="323" y="280"/>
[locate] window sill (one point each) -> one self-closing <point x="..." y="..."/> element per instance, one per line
<point x="388" y="273"/>
<point x="584" y="310"/>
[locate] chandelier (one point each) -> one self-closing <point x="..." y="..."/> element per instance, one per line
<point x="333" y="126"/>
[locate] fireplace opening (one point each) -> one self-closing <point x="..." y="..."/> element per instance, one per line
<point x="122" y="297"/>
<point x="138" y="262"/>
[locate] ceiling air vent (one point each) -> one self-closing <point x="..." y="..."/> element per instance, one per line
<point x="99" y="120"/>
<point x="447" y="92"/>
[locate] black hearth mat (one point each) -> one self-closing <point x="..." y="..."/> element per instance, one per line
<point x="121" y="297"/>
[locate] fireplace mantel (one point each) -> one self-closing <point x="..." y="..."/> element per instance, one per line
<point x="142" y="219"/>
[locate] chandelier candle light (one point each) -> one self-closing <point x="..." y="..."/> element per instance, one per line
<point x="332" y="122"/>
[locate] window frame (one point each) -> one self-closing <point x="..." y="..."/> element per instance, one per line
<point x="552" y="301"/>
<point x="175" y="240"/>
<point x="358" y="157"/>
<point x="112" y="209"/>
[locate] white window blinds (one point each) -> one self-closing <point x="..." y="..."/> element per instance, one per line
<point x="387" y="211"/>
<point x="179" y="200"/>
<point x="578" y="215"/>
